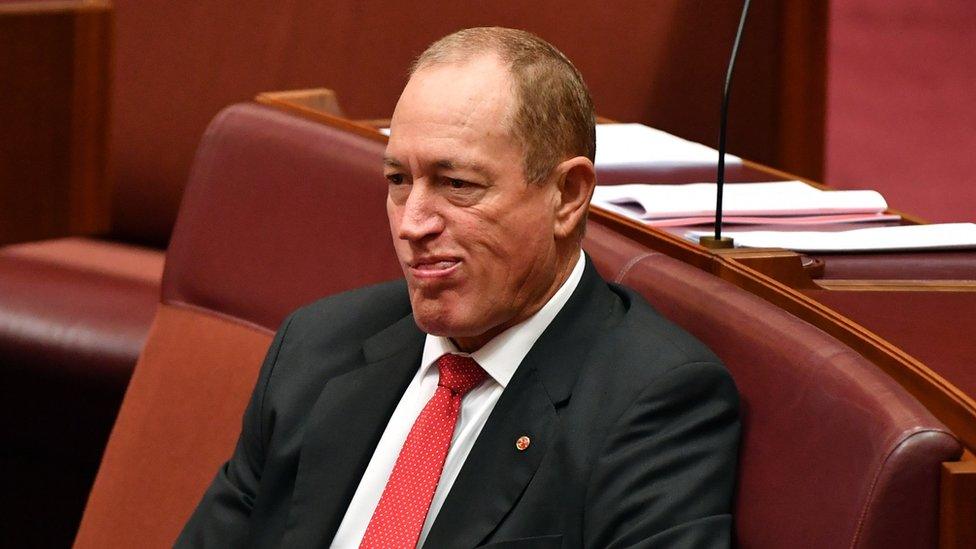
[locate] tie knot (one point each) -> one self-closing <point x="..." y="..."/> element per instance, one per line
<point x="459" y="373"/>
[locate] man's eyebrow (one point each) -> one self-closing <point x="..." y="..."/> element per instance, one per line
<point x="444" y="164"/>
<point x="460" y="165"/>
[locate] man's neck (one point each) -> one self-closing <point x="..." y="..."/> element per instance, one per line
<point x="563" y="272"/>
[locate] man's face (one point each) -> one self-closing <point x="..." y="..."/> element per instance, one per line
<point x="475" y="239"/>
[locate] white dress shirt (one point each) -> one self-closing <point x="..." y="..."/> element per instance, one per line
<point x="499" y="357"/>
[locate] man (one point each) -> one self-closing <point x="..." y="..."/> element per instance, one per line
<point x="504" y="394"/>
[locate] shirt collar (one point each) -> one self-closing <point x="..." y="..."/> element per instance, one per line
<point x="501" y="356"/>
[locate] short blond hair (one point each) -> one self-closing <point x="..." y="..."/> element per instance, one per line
<point x="553" y="116"/>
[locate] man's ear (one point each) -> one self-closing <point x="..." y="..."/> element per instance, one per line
<point x="576" y="178"/>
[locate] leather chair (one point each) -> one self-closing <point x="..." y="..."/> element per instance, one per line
<point x="281" y="210"/>
<point x="834" y="453"/>
<point x="278" y="211"/>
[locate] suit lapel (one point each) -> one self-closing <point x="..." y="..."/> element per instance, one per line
<point x="495" y="473"/>
<point x="343" y="429"/>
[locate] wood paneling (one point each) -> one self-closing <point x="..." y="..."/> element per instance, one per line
<point x="54" y="85"/>
<point x="802" y="111"/>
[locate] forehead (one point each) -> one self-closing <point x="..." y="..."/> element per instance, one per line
<point x="472" y="99"/>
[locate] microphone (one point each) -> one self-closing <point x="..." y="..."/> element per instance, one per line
<point x="718" y="241"/>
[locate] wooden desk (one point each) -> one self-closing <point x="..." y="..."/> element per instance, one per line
<point x="54" y="62"/>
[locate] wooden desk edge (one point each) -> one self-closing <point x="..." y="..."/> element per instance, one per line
<point x="957" y="505"/>
<point x="31" y="8"/>
<point x="282" y="101"/>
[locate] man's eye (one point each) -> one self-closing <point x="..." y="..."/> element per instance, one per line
<point x="457" y="183"/>
<point x="395" y="178"/>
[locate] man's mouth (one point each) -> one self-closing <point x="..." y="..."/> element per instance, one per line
<point x="433" y="267"/>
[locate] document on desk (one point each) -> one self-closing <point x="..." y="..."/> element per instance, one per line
<point x="637" y="146"/>
<point x="780" y="202"/>
<point x="937" y="236"/>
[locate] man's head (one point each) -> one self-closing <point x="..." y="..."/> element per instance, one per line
<point x="490" y="163"/>
<point x="553" y="113"/>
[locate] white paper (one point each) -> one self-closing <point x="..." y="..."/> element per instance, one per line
<point x="938" y="236"/>
<point x="637" y="145"/>
<point x="790" y="221"/>
<point x="778" y="198"/>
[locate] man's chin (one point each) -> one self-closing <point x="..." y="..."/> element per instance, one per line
<point x="440" y="321"/>
<point x="435" y="325"/>
<point x="468" y="336"/>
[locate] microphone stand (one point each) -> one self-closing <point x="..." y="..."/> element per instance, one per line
<point x="719" y="241"/>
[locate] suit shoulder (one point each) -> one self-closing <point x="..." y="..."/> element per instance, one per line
<point x="644" y="336"/>
<point x="355" y="313"/>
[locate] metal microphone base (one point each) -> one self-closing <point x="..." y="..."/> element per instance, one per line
<point x="712" y="243"/>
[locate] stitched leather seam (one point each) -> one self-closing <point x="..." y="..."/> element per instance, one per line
<point x="630" y="265"/>
<point x="222" y="316"/>
<point x="877" y="476"/>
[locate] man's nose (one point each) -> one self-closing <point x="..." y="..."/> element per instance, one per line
<point x="421" y="218"/>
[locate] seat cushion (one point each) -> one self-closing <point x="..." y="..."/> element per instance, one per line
<point x="74" y="314"/>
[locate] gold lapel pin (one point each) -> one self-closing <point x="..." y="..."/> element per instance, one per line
<point x="523" y="443"/>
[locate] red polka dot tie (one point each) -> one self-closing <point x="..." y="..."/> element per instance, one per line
<point x="402" y="510"/>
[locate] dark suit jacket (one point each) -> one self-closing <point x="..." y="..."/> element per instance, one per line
<point x="633" y="423"/>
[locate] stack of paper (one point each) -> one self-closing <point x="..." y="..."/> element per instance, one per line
<point x="944" y="236"/>
<point x="640" y="146"/>
<point x="779" y="202"/>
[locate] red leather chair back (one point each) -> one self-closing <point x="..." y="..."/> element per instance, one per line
<point x="278" y="211"/>
<point x="834" y="453"/>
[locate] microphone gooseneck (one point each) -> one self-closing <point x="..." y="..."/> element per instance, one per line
<point x="723" y="124"/>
